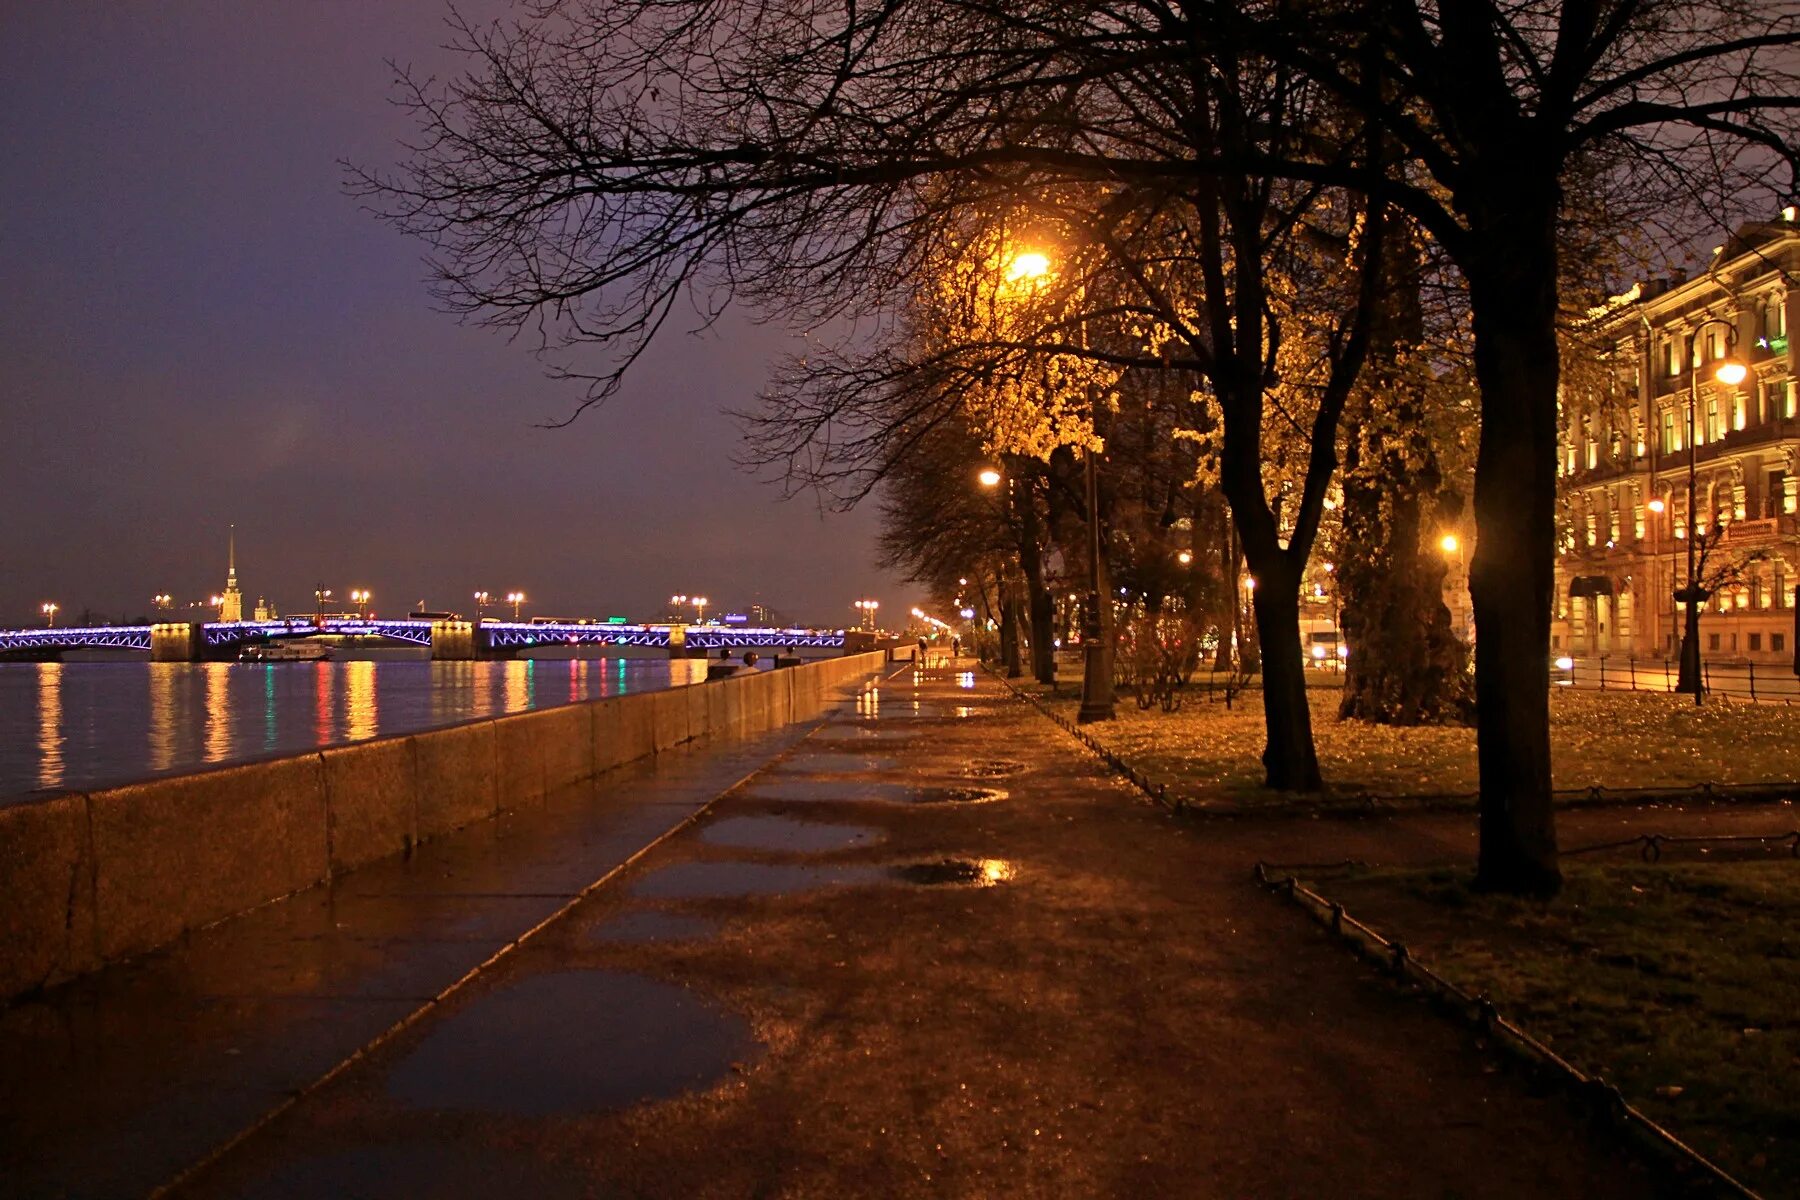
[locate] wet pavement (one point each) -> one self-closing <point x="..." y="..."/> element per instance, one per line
<point x="821" y="987"/>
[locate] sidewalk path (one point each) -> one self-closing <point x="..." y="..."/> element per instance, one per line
<point x="851" y="978"/>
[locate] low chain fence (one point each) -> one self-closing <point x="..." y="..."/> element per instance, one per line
<point x="1598" y="1098"/>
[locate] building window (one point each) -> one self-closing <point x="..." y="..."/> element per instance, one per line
<point x="1778" y="642"/>
<point x="1590" y="529"/>
<point x="1774" y="322"/>
<point x="1755" y="642"/>
<point x="1712" y="641"/>
<point x="1671" y="433"/>
<point x="1739" y="417"/>
<point x="1778" y="399"/>
<point x="1714" y="430"/>
<point x="1671" y="358"/>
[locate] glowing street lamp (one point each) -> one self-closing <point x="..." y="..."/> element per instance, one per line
<point x="163" y="601"/>
<point x="988" y="477"/>
<point x="1184" y="557"/>
<point x="360" y="598"/>
<point x="700" y="603"/>
<point x="481" y="600"/>
<point x="49" y="609"/>
<point x="1449" y="543"/>
<point x="515" y="599"/>
<point x="867" y="608"/>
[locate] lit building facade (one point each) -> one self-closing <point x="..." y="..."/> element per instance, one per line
<point x="1624" y="461"/>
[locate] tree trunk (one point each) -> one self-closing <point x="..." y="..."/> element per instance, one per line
<point x="1406" y="666"/>
<point x="1039" y="605"/>
<point x="1289" y="761"/>
<point x="1009" y="632"/>
<point x="1224" y="656"/>
<point x="1513" y="295"/>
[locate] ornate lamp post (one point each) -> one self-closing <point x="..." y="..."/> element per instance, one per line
<point x="481" y="600"/>
<point x="1729" y="372"/>
<point x="48" y="608"/>
<point x="360" y="598"/>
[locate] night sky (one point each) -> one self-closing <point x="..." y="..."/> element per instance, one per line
<point x="198" y="327"/>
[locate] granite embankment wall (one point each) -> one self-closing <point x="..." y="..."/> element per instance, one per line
<point x="87" y="878"/>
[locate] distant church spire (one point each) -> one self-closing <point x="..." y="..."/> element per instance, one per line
<point x="231" y="604"/>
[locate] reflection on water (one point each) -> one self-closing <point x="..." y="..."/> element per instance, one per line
<point x="84" y="724"/>
<point x="360" y="706"/>
<point x="218" y="712"/>
<point x="50" y="720"/>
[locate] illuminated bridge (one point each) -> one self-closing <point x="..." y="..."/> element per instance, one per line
<point x="185" y="642"/>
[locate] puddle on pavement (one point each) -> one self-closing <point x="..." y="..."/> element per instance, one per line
<point x="955" y="795"/>
<point x="992" y="768"/>
<point x="955" y="872"/>
<point x="653" y="925"/>
<point x="787" y="834"/>
<point x="726" y="880"/>
<point x="854" y="790"/>
<point x="840" y="734"/>
<point x="781" y="786"/>
<point x="839" y="764"/>
<point x="443" y="1170"/>
<point x="571" y="1042"/>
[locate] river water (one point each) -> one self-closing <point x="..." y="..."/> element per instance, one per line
<point x="80" y="725"/>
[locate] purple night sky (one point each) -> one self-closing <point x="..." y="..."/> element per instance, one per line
<point x="198" y="327"/>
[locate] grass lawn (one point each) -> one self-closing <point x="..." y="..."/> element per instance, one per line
<point x="1679" y="983"/>
<point x="1208" y="755"/>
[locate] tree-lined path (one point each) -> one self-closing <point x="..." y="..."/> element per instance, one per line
<point x="853" y="976"/>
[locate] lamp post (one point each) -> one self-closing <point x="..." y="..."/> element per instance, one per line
<point x="1096" y="675"/>
<point x="481" y="600"/>
<point x="1730" y="373"/>
<point x="700" y="603"/>
<point x="515" y="599"/>
<point x="1656" y="508"/>
<point x="867" y="609"/>
<point x="360" y="598"/>
<point x="48" y="608"/>
<point x="162" y="601"/>
<point x="676" y="603"/>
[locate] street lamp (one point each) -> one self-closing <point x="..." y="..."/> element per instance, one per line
<point x="1184" y="557"/>
<point x="48" y="608"/>
<point x="676" y="602"/>
<point x="700" y="603"/>
<point x="1730" y="373"/>
<point x="1096" y="675"/>
<point x="360" y="598"/>
<point x="867" y="608"/>
<point x="481" y="599"/>
<point x="163" y="601"/>
<point x="1451" y="544"/>
<point x="515" y="599"/>
<point x="1656" y="507"/>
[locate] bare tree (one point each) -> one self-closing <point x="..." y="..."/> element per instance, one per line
<point x="601" y="162"/>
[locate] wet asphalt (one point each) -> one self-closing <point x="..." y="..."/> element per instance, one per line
<point x="925" y="947"/>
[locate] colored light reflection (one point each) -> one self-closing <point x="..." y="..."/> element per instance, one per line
<point x="50" y="725"/>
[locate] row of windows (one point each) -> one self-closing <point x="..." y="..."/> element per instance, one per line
<point x="1681" y="352"/>
<point x="1601" y="519"/>
<point x="1723" y="411"/>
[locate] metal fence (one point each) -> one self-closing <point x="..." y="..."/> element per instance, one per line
<point x="1763" y="683"/>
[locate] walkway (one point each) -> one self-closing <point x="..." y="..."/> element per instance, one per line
<point x="852" y="976"/>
